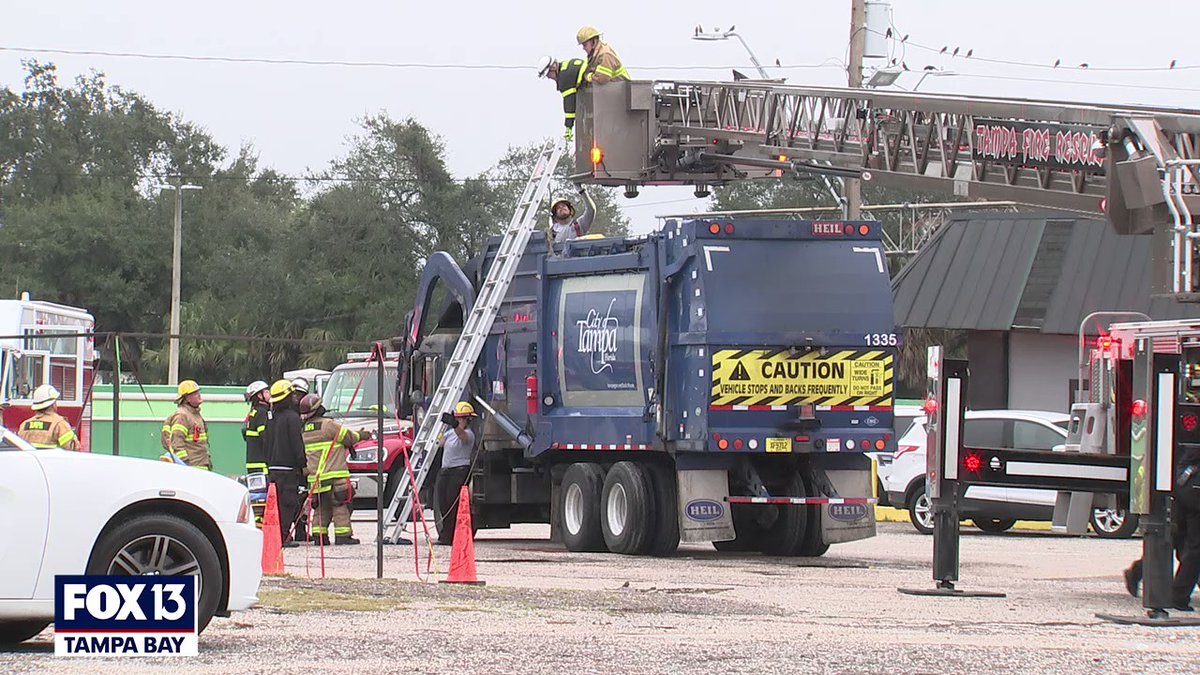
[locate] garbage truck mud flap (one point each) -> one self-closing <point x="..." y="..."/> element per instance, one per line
<point x="703" y="507"/>
<point x="846" y="522"/>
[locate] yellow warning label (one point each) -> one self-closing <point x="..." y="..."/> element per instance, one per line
<point x="764" y="377"/>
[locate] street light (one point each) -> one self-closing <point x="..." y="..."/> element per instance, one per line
<point x="933" y="73"/>
<point x="176" y="273"/>
<point x="718" y="35"/>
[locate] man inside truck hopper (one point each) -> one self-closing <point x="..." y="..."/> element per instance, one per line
<point x="564" y="226"/>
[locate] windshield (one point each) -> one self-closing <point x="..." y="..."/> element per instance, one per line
<point x="354" y="391"/>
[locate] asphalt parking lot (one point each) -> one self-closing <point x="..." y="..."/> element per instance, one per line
<point x="546" y="610"/>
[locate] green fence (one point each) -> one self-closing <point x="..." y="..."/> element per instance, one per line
<point x="143" y="410"/>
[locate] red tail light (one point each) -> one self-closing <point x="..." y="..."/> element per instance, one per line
<point x="1139" y="408"/>
<point x="1190" y="422"/>
<point x="930" y="406"/>
<point x="973" y="463"/>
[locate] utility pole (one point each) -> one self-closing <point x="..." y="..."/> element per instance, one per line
<point x="176" y="276"/>
<point x="858" y="36"/>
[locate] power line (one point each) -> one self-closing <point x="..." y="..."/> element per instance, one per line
<point x="204" y="58"/>
<point x="1119" y="85"/>
<point x="1029" y="64"/>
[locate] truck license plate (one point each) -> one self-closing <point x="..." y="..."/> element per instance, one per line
<point x="779" y="445"/>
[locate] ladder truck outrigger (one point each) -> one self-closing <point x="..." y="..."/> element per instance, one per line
<point x="720" y="380"/>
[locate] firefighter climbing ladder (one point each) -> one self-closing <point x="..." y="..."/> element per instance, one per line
<point x="475" y="331"/>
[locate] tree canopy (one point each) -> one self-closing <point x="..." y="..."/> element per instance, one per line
<point x="335" y="255"/>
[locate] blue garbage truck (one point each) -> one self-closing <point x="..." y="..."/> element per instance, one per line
<point x="715" y="381"/>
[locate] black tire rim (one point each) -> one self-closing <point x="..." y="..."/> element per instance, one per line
<point x="157" y="555"/>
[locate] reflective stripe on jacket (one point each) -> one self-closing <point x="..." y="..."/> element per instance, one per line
<point x="186" y="435"/>
<point x="49" y="430"/>
<point x="570" y="77"/>
<point x="605" y="66"/>
<point x="326" y="447"/>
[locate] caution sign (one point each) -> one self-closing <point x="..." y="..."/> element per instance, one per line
<point x="765" y="377"/>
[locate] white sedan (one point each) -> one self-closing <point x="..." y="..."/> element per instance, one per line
<point x="78" y="513"/>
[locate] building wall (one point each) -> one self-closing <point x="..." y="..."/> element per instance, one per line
<point x="1041" y="369"/>
<point x="987" y="352"/>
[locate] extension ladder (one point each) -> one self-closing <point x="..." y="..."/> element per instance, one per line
<point x="470" y="344"/>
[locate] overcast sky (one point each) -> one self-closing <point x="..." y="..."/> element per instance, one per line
<point x="299" y="116"/>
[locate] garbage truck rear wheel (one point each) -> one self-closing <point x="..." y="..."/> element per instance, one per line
<point x="627" y="508"/>
<point x="664" y="540"/>
<point x="580" y="494"/>
<point x="785" y="533"/>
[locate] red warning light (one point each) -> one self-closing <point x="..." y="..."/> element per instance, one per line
<point x="729" y="228"/>
<point x="930" y="406"/>
<point x="1190" y="422"/>
<point x="1104" y="342"/>
<point x="849" y="229"/>
<point x="973" y="463"/>
<point x="1139" y="408"/>
<point x="864" y="230"/>
<point x="714" y="228"/>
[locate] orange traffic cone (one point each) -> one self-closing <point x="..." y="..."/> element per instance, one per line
<point x="462" y="556"/>
<point x="272" y="552"/>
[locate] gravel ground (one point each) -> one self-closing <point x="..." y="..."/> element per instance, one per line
<point x="547" y="610"/>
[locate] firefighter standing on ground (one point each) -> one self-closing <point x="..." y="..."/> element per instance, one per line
<point x="458" y="442"/>
<point x="603" y="64"/>
<point x="286" y="463"/>
<point x="327" y="445"/>
<point x="257" y="395"/>
<point x="185" y="433"/>
<point x="48" y="429"/>
<point x="568" y="77"/>
<point x="564" y="226"/>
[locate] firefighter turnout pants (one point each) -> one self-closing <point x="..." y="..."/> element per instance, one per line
<point x="333" y="506"/>
<point x="287" y="488"/>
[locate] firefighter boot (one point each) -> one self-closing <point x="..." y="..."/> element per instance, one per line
<point x="345" y="540"/>
<point x="320" y="540"/>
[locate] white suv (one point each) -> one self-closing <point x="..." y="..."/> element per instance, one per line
<point x="993" y="509"/>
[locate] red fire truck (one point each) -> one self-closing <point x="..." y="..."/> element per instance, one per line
<point x="41" y="343"/>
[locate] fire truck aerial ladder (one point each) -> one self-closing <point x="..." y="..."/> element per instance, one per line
<point x="1138" y="166"/>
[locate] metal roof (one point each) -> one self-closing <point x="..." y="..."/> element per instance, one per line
<point x="1038" y="272"/>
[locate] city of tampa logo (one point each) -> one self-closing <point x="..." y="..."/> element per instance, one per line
<point x="598" y="338"/>
<point x="124" y="616"/>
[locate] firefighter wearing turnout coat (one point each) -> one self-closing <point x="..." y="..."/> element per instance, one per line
<point x="48" y="429"/>
<point x="327" y="446"/>
<point x="185" y="434"/>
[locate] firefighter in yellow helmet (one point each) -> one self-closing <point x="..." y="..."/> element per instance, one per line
<point x="327" y="445"/>
<point x="48" y="429"/>
<point x="603" y="64"/>
<point x="185" y="433"/>
<point x="458" y="444"/>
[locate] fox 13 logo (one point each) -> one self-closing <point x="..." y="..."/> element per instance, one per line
<point x="125" y="616"/>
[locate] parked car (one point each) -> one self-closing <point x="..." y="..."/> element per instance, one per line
<point x="80" y="513"/>
<point x="902" y="419"/>
<point x="992" y="509"/>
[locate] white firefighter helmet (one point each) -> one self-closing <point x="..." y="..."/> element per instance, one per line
<point x="255" y="388"/>
<point x="44" y="397"/>
<point x="544" y="65"/>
